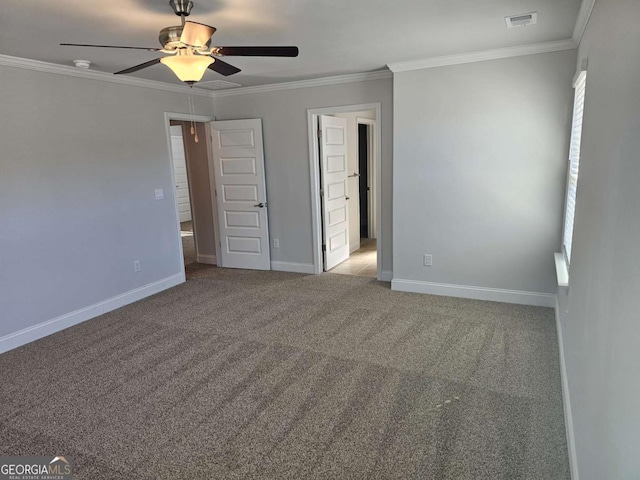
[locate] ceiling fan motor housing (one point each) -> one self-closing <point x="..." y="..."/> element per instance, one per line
<point x="182" y="8"/>
<point x="169" y="38"/>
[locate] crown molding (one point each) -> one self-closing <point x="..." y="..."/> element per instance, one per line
<point x="47" y="67"/>
<point x="483" y="56"/>
<point x="586" y="9"/>
<point x="432" y="62"/>
<point x="314" y="82"/>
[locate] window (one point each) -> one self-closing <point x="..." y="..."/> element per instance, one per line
<point x="574" y="164"/>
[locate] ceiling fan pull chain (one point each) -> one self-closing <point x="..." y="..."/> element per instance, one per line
<point x="190" y="114"/>
<point x="193" y="130"/>
<point x="192" y="111"/>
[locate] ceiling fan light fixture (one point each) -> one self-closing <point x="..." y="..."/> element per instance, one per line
<point x="188" y="68"/>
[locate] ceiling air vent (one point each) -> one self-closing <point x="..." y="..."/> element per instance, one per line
<point x="217" y="85"/>
<point x="521" y="20"/>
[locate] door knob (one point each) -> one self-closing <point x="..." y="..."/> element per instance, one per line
<point x="347" y="198"/>
<point x="261" y="205"/>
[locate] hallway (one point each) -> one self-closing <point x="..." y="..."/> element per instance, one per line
<point x="363" y="262"/>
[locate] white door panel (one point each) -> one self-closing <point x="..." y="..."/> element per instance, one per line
<point x="180" y="170"/>
<point x="333" y="185"/>
<point x="238" y="159"/>
<point x="181" y="177"/>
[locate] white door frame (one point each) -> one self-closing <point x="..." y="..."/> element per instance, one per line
<point x="372" y="206"/>
<point x="314" y="161"/>
<point x="168" y="116"/>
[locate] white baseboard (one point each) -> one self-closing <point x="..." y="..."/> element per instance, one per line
<point x="566" y="400"/>
<point x="35" y="332"/>
<point x="354" y="247"/>
<point x="293" y="267"/>
<point x="386" y="276"/>
<point x="476" y="293"/>
<point x="208" y="259"/>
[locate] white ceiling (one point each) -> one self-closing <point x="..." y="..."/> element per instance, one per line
<point x="335" y="36"/>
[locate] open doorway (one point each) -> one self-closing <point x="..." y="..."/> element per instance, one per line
<point x="221" y="205"/>
<point x="194" y="195"/>
<point x="183" y="196"/>
<point x="363" y="259"/>
<point x="349" y="186"/>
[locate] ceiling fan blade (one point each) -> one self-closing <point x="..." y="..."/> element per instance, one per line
<point x="196" y="34"/>
<point x="223" y="68"/>
<point x="259" y="51"/>
<point x="139" y="67"/>
<point x="150" y="49"/>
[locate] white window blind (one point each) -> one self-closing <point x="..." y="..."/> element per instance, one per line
<point x="574" y="163"/>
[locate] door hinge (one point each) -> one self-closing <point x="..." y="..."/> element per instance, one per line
<point x="324" y="247"/>
<point x="321" y="192"/>
<point x="319" y="133"/>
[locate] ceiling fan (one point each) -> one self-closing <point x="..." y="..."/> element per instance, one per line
<point x="189" y="50"/>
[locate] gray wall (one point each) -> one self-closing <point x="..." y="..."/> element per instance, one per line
<point x="286" y="147"/>
<point x="479" y="171"/>
<point x="600" y="312"/>
<point x="79" y="162"/>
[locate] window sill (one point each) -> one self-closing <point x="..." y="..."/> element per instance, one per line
<point x="562" y="273"/>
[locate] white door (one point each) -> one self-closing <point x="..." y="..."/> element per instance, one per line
<point x="238" y="159"/>
<point x="180" y="170"/>
<point x="333" y="188"/>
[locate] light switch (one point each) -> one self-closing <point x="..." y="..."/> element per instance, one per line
<point x="159" y="194"/>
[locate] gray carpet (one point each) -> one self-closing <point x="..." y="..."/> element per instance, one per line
<point x="241" y="374"/>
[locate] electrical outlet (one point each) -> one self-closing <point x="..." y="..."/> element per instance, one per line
<point x="428" y="260"/>
<point x="276" y="243"/>
<point x="136" y="266"/>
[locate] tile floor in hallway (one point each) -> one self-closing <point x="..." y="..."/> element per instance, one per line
<point x="188" y="244"/>
<point x="363" y="262"/>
